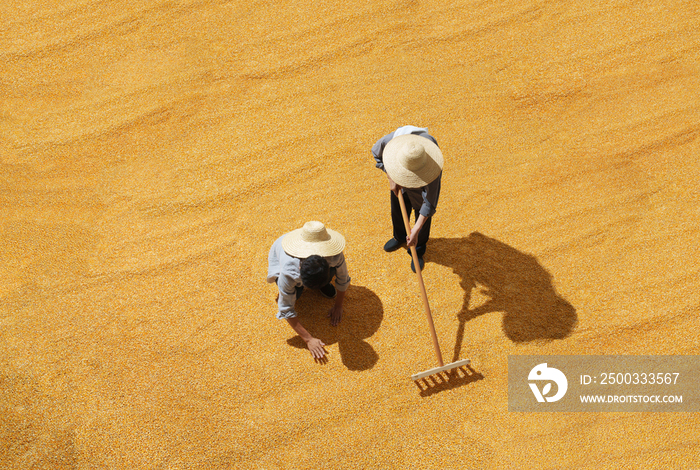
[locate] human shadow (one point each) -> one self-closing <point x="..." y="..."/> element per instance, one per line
<point x="362" y="315"/>
<point x="515" y="283"/>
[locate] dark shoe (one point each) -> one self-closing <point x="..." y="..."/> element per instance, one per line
<point x="421" y="263"/>
<point x="392" y="245"/>
<point x="328" y="291"/>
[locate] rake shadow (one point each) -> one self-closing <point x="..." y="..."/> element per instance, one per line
<point x="515" y="282"/>
<point x="362" y="315"/>
<point x="447" y="380"/>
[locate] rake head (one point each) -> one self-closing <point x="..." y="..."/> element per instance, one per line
<point x="437" y="370"/>
<point x="444" y="377"/>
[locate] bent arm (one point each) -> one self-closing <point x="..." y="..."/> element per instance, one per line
<point x="315" y="345"/>
<point x="299" y="329"/>
<point x="339" y="299"/>
<point x="378" y="150"/>
<point x="287" y="297"/>
<point x="431" y="195"/>
<point x="342" y="277"/>
<point x="412" y="238"/>
<point x="336" y="312"/>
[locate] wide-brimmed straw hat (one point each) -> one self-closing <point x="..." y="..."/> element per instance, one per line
<point x="313" y="239"/>
<point x="412" y="161"/>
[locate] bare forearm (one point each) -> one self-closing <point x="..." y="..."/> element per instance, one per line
<point x="315" y="345"/>
<point x="299" y="329"/>
<point x="420" y="222"/>
<point x="339" y="299"/>
<point x="412" y="238"/>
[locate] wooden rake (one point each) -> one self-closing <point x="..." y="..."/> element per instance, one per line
<point x="441" y="367"/>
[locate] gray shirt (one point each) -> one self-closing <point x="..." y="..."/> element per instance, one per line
<point x="285" y="270"/>
<point x="426" y="197"/>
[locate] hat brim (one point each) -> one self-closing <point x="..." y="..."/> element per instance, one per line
<point x="405" y="177"/>
<point x="295" y="246"/>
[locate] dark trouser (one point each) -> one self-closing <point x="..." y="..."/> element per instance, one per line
<point x="400" y="229"/>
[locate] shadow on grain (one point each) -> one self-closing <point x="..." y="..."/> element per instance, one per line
<point x="515" y="283"/>
<point x="362" y="315"/>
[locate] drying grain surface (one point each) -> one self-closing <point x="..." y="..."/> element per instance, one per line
<point x="151" y="152"/>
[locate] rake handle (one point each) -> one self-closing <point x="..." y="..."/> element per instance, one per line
<point x="419" y="274"/>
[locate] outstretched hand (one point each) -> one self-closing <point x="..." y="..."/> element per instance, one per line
<point x="315" y="346"/>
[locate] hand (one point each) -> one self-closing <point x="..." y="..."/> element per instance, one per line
<point x="335" y="314"/>
<point x="395" y="188"/>
<point x="315" y="345"/>
<point x="412" y="238"/>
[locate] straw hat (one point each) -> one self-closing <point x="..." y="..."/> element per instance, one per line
<point x="313" y="239"/>
<point x="412" y="161"/>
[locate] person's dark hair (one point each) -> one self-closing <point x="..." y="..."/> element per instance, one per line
<point x="314" y="272"/>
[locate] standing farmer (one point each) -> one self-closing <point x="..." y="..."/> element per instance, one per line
<point x="413" y="163"/>
<point x="308" y="257"/>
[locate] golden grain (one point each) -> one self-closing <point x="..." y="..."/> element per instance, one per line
<point x="152" y="153"/>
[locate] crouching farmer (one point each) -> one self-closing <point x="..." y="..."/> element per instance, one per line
<point x="309" y="257"/>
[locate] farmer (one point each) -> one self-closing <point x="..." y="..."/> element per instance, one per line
<point x="412" y="161"/>
<point x="308" y="257"/>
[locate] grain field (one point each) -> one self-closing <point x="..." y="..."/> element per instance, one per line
<point x="152" y="151"/>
